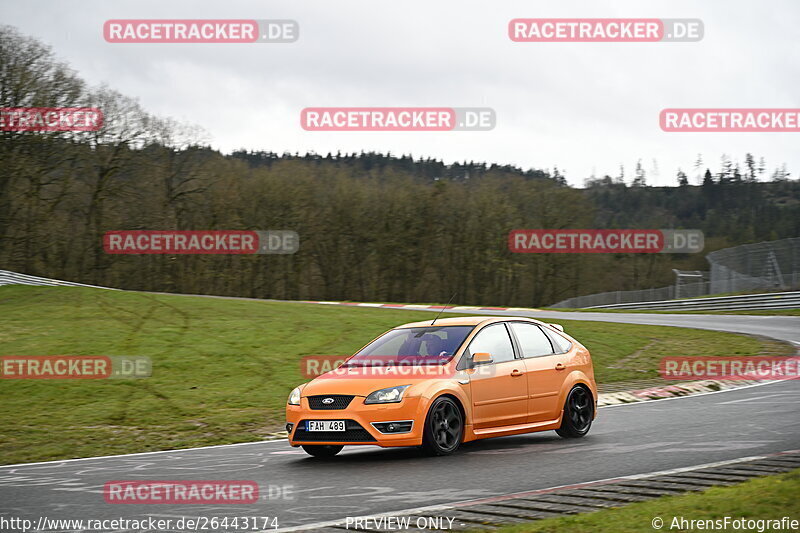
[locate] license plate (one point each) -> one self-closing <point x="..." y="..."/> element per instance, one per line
<point x="324" y="425"/>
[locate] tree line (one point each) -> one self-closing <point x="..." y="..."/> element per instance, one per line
<point x="372" y="226"/>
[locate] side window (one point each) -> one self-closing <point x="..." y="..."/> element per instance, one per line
<point x="532" y="340"/>
<point x="561" y="344"/>
<point x="493" y="339"/>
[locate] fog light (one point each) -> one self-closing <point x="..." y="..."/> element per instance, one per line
<point x="289" y="427"/>
<point x="394" y="427"/>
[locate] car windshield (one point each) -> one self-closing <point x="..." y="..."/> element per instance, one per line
<point x="412" y="346"/>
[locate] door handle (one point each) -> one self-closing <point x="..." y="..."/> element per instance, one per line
<point x="560" y="366"/>
<point x="516" y="372"/>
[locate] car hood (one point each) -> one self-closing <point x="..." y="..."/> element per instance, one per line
<point x="361" y="381"/>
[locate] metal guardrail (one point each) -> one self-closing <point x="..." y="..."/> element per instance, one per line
<point x="772" y="300"/>
<point x="13" y="278"/>
<point x="763" y="266"/>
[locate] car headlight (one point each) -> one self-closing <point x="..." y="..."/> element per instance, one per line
<point x="388" y="395"/>
<point x="294" y="397"/>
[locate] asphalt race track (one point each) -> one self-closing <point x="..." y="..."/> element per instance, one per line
<point x="785" y="328"/>
<point x="626" y="440"/>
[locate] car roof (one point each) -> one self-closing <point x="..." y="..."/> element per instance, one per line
<point x="465" y="321"/>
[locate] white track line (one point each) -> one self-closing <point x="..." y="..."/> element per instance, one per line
<point x="695" y="395"/>
<point x="180" y="450"/>
<point x="100" y="457"/>
<point x="456" y="505"/>
<point x="337" y="303"/>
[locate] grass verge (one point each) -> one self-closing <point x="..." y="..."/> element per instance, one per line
<point x="771" y="497"/>
<point x="222" y="368"/>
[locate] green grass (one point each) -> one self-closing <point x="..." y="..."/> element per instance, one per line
<point x="771" y="497"/>
<point x="222" y="368"/>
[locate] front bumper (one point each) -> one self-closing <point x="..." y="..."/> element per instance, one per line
<point x="359" y="419"/>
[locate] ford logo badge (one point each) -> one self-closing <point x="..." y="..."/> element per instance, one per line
<point x="327" y="401"/>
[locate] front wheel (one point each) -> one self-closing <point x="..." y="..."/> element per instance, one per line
<point x="444" y="427"/>
<point x="322" y="450"/>
<point x="578" y="414"/>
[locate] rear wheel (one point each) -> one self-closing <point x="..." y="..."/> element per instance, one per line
<point x="578" y="414"/>
<point x="322" y="450"/>
<point x="444" y="427"/>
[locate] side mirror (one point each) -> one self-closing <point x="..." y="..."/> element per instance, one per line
<point x="559" y="327"/>
<point x="481" y="358"/>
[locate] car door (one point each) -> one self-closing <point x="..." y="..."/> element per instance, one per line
<point x="545" y="369"/>
<point x="499" y="389"/>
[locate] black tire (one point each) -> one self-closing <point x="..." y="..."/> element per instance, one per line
<point x="578" y="414"/>
<point x="322" y="450"/>
<point x="444" y="427"/>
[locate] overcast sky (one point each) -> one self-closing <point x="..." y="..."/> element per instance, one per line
<point x="583" y="107"/>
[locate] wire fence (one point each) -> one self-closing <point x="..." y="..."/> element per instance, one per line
<point x="766" y="265"/>
<point x="771" y="265"/>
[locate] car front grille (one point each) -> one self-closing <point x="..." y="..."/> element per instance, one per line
<point x="354" y="432"/>
<point x="323" y="401"/>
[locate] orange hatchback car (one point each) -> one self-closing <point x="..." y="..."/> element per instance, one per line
<point x="439" y="383"/>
